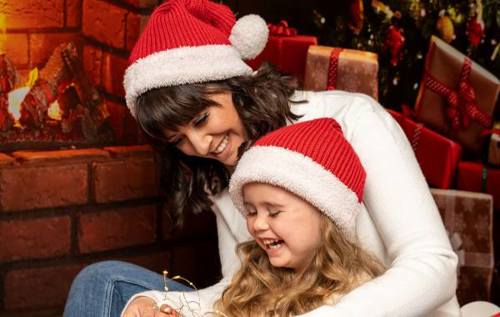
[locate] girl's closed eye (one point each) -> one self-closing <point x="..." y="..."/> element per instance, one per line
<point x="274" y="213"/>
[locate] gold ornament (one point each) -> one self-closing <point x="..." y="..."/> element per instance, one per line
<point x="416" y="10"/>
<point x="456" y="17"/>
<point x="445" y="28"/>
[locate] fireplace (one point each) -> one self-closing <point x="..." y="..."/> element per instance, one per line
<point x="78" y="184"/>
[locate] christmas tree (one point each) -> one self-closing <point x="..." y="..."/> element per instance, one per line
<point x="398" y="31"/>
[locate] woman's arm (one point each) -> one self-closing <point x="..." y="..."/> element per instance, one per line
<point x="422" y="272"/>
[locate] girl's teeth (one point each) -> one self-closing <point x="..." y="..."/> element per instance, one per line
<point x="222" y="145"/>
<point x="273" y="244"/>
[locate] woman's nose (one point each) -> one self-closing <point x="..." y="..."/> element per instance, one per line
<point x="200" y="142"/>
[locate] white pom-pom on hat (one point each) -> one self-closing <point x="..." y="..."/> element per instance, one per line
<point x="249" y="36"/>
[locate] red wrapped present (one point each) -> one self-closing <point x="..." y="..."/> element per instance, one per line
<point x="468" y="219"/>
<point x="437" y="155"/>
<point x="494" y="146"/>
<point x="476" y="177"/>
<point x="329" y="68"/>
<point x="456" y="96"/>
<point x="286" y="50"/>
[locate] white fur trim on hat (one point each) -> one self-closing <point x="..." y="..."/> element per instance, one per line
<point x="249" y="35"/>
<point x="182" y="66"/>
<point x="300" y="175"/>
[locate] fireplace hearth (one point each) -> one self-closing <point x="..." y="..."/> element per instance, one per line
<point x="77" y="183"/>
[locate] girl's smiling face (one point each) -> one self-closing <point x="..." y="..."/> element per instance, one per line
<point x="284" y="225"/>
<point x="215" y="133"/>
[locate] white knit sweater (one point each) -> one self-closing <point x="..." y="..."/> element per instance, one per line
<point x="399" y="222"/>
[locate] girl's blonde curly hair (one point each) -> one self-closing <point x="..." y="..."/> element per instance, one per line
<point x="259" y="289"/>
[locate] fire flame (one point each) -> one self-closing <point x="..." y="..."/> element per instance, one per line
<point x="16" y="97"/>
<point x="54" y="111"/>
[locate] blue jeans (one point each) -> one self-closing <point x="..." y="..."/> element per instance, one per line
<point x="102" y="289"/>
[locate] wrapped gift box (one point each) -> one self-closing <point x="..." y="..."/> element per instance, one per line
<point x="468" y="218"/>
<point x="456" y="96"/>
<point x="437" y="155"/>
<point x="473" y="176"/>
<point x="286" y="50"/>
<point x="329" y="68"/>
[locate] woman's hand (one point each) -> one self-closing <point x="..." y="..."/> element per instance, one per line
<point x="146" y="307"/>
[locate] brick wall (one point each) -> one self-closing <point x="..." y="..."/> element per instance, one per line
<point x="61" y="210"/>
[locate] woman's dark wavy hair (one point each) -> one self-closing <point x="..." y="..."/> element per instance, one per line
<point x="262" y="102"/>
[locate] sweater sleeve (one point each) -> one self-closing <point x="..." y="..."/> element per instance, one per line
<point x="422" y="266"/>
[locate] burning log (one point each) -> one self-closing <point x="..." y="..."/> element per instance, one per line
<point x="63" y="71"/>
<point x="6" y="119"/>
<point x="53" y="79"/>
<point x="8" y="75"/>
<point x="97" y="110"/>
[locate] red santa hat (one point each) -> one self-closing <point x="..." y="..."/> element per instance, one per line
<point x="192" y="41"/>
<point x="311" y="159"/>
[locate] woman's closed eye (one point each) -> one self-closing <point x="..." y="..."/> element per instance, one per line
<point x="200" y="119"/>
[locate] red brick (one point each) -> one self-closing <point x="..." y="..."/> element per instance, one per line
<point x="34" y="14"/>
<point x="126" y="179"/>
<point x="104" y="22"/>
<point x="73" y="13"/>
<point x="135" y="25"/>
<point x="50" y="186"/>
<point x="6" y="160"/>
<point x="92" y="63"/>
<point x="34" y="238"/>
<point x="117" y="229"/>
<point x="132" y="150"/>
<point x="16" y="48"/>
<point x="79" y="155"/>
<point x="113" y="69"/>
<point x="42" y="45"/>
<point x="39" y="287"/>
<point x="142" y="3"/>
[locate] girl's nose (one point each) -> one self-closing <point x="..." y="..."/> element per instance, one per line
<point x="260" y="223"/>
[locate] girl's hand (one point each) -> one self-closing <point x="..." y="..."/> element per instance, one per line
<point x="146" y="307"/>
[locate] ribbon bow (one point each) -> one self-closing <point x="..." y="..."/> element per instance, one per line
<point x="281" y="29"/>
<point x="462" y="104"/>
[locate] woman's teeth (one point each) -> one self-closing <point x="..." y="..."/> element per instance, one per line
<point x="273" y="244"/>
<point x="222" y="145"/>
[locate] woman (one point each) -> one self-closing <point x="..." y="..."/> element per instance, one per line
<point x="190" y="90"/>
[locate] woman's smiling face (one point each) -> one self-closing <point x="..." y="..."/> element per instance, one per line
<point x="215" y="133"/>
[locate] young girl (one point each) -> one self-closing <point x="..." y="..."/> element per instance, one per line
<point x="190" y="90"/>
<point x="300" y="189"/>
